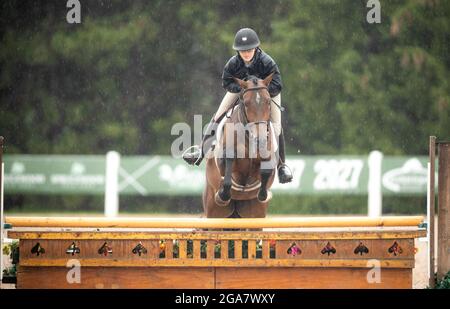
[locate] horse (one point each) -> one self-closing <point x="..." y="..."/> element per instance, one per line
<point x="240" y="168"/>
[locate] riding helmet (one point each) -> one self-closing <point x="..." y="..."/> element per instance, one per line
<point x="246" y="39"/>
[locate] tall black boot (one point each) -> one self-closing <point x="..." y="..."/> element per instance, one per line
<point x="197" y="156"/>
<point x="284" y="173"/>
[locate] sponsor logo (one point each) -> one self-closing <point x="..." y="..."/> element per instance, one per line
<point x="411" y="177"/>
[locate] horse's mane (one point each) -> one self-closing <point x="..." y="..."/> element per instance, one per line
<point x="253" y="78"/>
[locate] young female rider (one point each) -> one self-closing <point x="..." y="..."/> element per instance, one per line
<point x="249" y="60"/>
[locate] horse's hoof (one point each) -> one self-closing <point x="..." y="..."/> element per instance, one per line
<point x="262" y="195"/>
<point x="268" y="197"/>
<point x="219" y="200"/>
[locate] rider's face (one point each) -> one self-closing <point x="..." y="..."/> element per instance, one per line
<point x="247" y="55"/>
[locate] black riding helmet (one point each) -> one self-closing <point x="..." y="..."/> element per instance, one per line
<point x="245" y="39"/>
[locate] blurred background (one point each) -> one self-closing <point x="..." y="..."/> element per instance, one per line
<point x="121" y="78"/>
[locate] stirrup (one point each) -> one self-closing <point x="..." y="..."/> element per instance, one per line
<point x="198" y="148"/>
<point x="278" y="171"/>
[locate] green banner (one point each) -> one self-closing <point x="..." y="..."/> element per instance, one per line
<point x="159" y="175"/>
<point x="164" y="175"/>
<point x="404" y="175"/>
<point x="41" y="174"/>
<point x="312" y="175"/>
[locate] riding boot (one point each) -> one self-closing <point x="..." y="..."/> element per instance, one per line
<point x="197" y="156"/>
<point x="284" y="173"/>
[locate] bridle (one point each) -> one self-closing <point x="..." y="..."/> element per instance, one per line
<point x="243" y="112"/>
<point x="243" y="109"/>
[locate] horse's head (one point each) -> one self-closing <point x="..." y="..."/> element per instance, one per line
<point x="256" y="98"/>
<point x="256" y="102"/>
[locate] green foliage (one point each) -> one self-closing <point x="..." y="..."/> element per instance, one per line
<point x="131" y="69"/>
<point x="352" y="87"/>
<point x="12" y="250"/>
<point x="444" y="283"/>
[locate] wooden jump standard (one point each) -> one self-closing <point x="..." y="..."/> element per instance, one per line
<point x="178" y="253"/>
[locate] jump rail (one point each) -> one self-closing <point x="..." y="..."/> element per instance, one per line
<point x="289" y="222"/>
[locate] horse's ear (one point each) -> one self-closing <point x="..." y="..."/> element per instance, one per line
<point x="241" y="83"/>
<point x="268" y="79"/>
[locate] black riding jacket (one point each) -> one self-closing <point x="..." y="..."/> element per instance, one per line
<point x="261" y="67"/>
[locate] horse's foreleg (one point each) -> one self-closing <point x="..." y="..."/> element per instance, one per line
<point x="223" y="196"/>
<point x="263" y="195"/>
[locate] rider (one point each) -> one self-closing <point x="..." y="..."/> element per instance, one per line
<point x="249" y="60"/>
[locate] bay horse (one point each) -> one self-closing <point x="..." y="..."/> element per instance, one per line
<point x="240" y="169"/>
